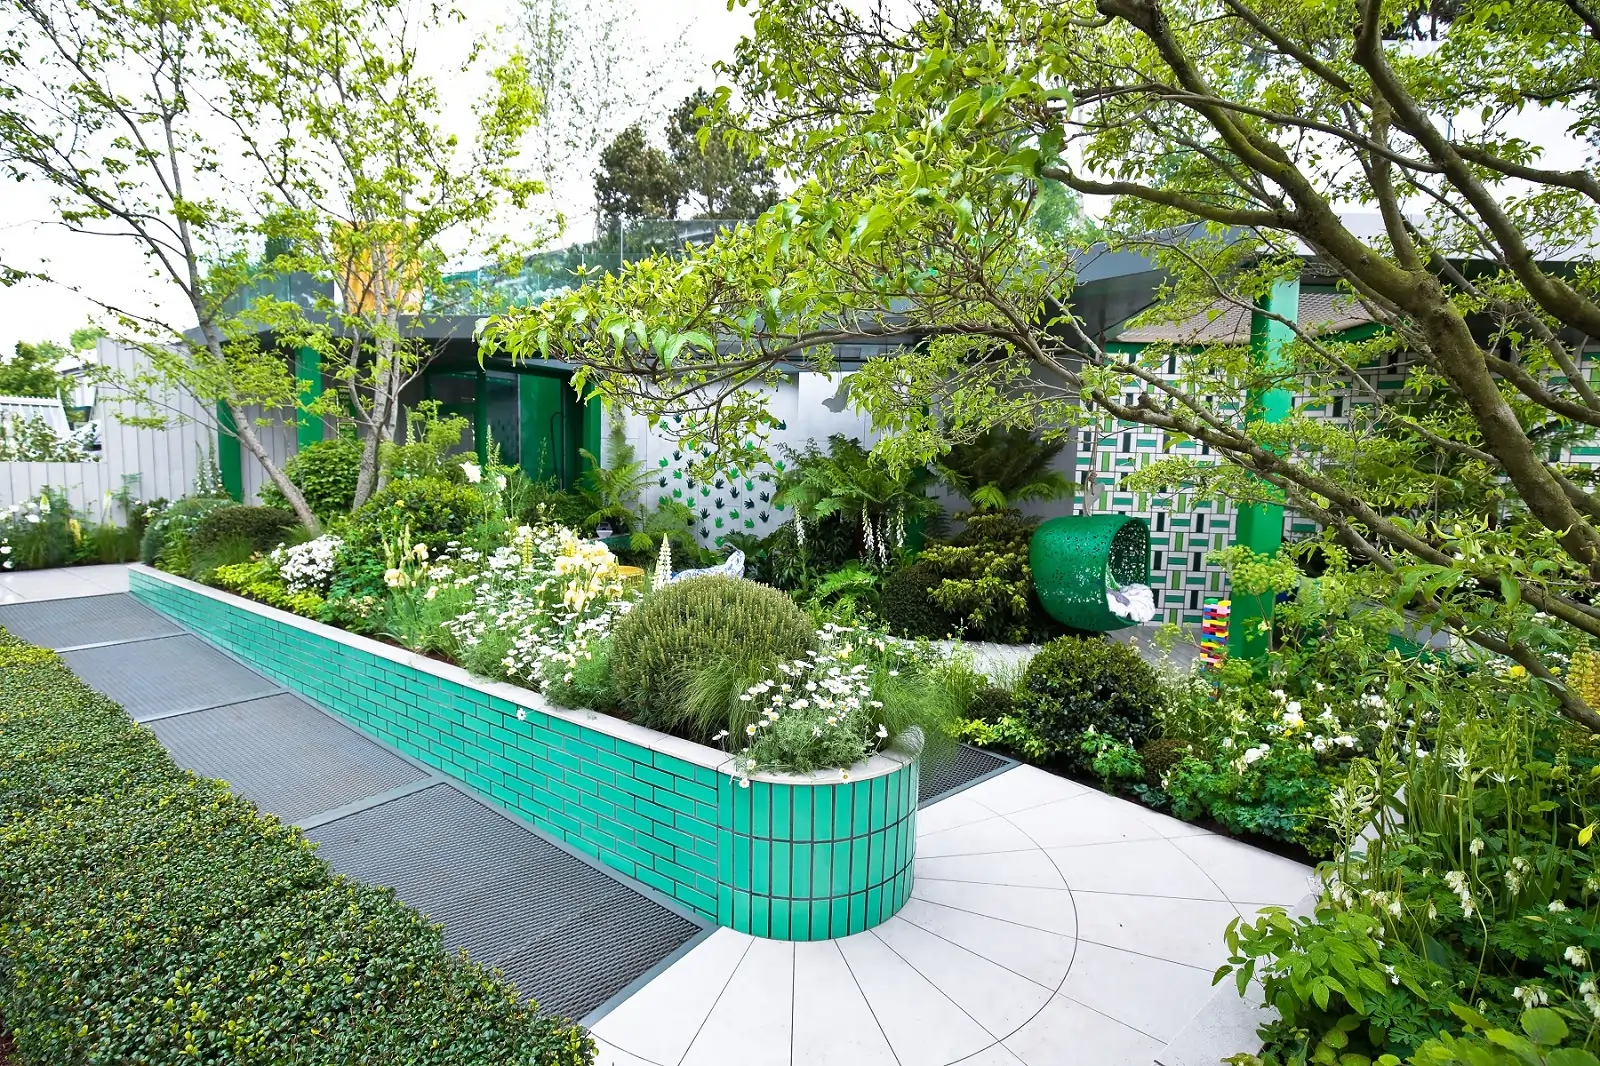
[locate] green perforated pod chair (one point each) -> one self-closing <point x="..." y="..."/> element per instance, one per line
<point x="1077" y="558"/>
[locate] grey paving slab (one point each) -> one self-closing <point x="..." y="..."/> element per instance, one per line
<point x="63" y="582"/>
<point x="1050" y="925"/>
<point x="567" y="934"/>
<point x="286" y="755"/>
<point x="151" y="678"/>
<point x="69" y="623"/>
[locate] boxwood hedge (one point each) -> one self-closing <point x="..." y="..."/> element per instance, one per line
<point x="148" y="916"/>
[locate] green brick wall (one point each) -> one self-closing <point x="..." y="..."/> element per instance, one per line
<point x="788" y="861"/>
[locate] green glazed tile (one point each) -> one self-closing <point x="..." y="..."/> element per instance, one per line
<point x="760" y="866"/>
<point x="782" y="867"/>
<point x="760" y="916"/>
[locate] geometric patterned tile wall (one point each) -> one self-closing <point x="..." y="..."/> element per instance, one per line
<point x="1183" y="529"/>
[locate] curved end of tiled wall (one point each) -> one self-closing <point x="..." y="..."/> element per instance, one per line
<point x="817" y="856"/>
<point x="788" y="856"/>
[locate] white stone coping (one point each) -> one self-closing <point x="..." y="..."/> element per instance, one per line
<point x="900" y="752"/>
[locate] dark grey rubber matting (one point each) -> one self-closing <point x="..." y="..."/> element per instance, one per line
<point x="562" y="931"/>
<point x="943" y="777"/>
<point x="284" y="754"/>
<point x="70" y="623"/>
<point x="157" y="677"/>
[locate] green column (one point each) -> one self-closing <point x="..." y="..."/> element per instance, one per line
<point x="308" y="386"/>
<point x="594" y="425"/>
<point x="1259" y="527"/>
<point x="229" y="459"/>
<point x="480" y="416"/>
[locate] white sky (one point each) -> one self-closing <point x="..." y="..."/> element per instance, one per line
<point x="114" y="271"/>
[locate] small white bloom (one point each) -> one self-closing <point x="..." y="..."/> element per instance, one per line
<point x="1556" y="906"/>
<point x="473" y="471"/>
<point x="882" y="731"/>
<point x="1576" y="955"/>
<point x="522" y="715"/>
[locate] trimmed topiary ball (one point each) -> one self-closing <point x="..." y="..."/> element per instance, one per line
<point x="1075" y="683"/>
<point x="657" y="647"/>
<point x="1161" y="755"/>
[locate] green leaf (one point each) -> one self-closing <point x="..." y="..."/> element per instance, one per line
<point x="1544" y="1026"/>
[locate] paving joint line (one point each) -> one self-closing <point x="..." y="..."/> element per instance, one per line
<point x="115" y="643"/>
<point x="333" y="814"/>
<point x="161" y="716"/>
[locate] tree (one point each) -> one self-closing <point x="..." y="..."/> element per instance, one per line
<point x="594" y="76"/>
<point x="636" y="180"/>
<point x="720" y="177"/>
<point x="32" y="370"/>
<point x="374" y="221"/>
<point x="305" y="125"/>
<point x="109" y="106"/>
<point x="1234" y="142"/>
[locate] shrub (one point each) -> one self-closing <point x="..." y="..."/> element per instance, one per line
<point x="657" y="647"/>
<point x="984" y="582"/>
<point x="259" y="580"/>
<point x="907" y="606"/>
<point x="325" y="473"/>
<point x="208" y="932"/>
<point x="39" y="532"/>
<point x="260" y="528"/>
<point x="1161" y="755"/>
<point x="435" y="511"/>
<point x="174" y="525"/>
<point x="1078" y="683"/>
<point x="991" y="703"/>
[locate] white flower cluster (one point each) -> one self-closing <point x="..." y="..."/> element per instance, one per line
<point x="31" y="512"/>
<point x="831" y="692"/>
<point x="308" y="567"/>
<point x="555" y="594"/>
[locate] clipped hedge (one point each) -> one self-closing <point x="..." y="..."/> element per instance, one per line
<point x="148" y="916"/>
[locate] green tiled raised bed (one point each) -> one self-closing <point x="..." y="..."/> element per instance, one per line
<point x="790" y="858"/>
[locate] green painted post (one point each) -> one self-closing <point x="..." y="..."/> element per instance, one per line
<point x="308" y="386"/>
<point x="1259" y="527"/>
<point x="230" y="463"/>
<point x="594" y="422"/>
<point x="480" y="416"/>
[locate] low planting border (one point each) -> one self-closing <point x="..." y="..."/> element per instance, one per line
<point x="792" y="857"/>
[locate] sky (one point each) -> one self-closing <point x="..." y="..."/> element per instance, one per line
<point x="672" y="45"/>
<point x="692" y="33"/>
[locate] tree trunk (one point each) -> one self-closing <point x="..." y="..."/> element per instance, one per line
<point x="251" y="443"/>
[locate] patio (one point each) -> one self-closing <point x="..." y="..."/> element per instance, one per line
<point x="1049" y="923"/>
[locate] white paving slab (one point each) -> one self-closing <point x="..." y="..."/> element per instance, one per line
<point x="1050" y="925"/>
<point x="65" y="582"/>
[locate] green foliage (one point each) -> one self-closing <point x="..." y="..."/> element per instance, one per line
<point x="907" y="604"/>
<point x="1116" y="763"/>
<point x="1486" y="1044"/>
<point x="166" y="539"/>
<point x="326" y="474"/>
<point x="1009" y="733"/>
<point x="258" y="580"/>
<point x="260" y="528"/>
<point x="541" y="502"/>
<point x="1160" y="756"/>
<point x="991" y="703"/>
<point x="435" y="511"/>
<point x="1003" y="467"/>
<point x="657" y="648"/>
<point x="31" y="370"/>
<point x="781" y="559"/>
<point x="720" y="177"/>
<point x="39" y="532"/>
<point x="853" y="587"/>
<point x="985" y="583"/>
<point x="429" y="448"/>
<point x="1283" y="795"/>
<point x="930" y="210"/>
<point x="636" y="179"/>
<point x="848" y="483"/>
<point x="31" y="440"/>
<point x="591" y="685"/>
<point x="209" y="932"/>
<point x="1077" y="684"/>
